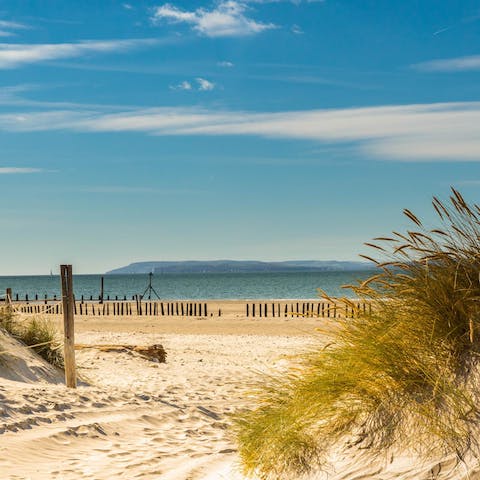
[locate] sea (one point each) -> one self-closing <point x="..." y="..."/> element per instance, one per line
<point x="173" y="286"/>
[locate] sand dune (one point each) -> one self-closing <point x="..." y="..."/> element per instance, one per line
<point x="134" y="418"/>
<point x="137" y="418"/>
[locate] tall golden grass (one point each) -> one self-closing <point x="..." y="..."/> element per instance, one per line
<point x="405" y="374"/>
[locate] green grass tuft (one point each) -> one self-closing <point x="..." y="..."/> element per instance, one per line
<point x="406" y="374"/>
<point x="38" y="333"/>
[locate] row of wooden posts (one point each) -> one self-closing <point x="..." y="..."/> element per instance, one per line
<point x="186" y="309"/>
<point x="192" y="309"/>
<point x="308" y="309"/>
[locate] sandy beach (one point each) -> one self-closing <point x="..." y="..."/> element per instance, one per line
<point x="134" y="418"/>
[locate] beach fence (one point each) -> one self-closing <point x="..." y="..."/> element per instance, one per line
<point x="321" y="309"/>
<point x="177" y="308"/>
<point x="118" y="308"/>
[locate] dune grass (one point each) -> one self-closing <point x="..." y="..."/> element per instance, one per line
<point x="38" y="333"/>
<point x="404" y="375"/>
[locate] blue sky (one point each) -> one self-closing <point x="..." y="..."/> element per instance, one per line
<point x="269" y="130"/>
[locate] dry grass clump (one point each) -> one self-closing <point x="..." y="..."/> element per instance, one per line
<point x="38" y="333"/>
<point x="404" y="375"/>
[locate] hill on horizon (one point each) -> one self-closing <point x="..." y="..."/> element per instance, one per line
<point x="239" y="266"/>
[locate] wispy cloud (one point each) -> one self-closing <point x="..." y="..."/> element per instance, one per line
<point x="204" y="85"/>
<point x="8" y="29"/>
<point x="297" y="30"/>
<point x="463" y="21"/>
<point x="227" y="19"/>
<point x="13" y="55"/>
<point x="18" y="170"/>
<point x="225" y="64"/>
<point x="450" y="64"/>
<point x="418" y="132"/>
<point x="12" y="96"/>
<point x="185" y="85"/>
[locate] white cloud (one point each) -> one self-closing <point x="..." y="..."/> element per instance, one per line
<point x="417" y="132"/>
<point x="225" y="64"/>
<point x="227" y="19"/>
<point x="127" y="6"/>
<point x="7" y="29"/>
<point x="17" y="170"/>
<point x="182" y="86"/>
<point x="297" y="29"/>
<point x="204" y="85"/>
<point x="14" y="55"/>
<point x="450" y="64"/>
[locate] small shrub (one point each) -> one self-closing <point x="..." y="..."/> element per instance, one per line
<point x="405" y="374"/>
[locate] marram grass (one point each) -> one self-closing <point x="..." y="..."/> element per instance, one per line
<point x="38" y="333"/>
<point x="404" y="375"/>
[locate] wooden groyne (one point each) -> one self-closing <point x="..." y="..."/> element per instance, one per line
<point x="120" y="308"/>
<point x="189" y="308"/>
<point x="320" y="309"/>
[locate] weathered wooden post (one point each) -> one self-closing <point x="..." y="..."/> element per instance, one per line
<point x="68" y="325"/>
<point x="101" y="290"/>
<point x="8" y="299"/>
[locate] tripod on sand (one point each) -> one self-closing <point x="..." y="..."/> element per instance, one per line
<point x="150" y="288"/>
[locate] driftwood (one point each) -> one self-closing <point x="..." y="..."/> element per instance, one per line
<point x="150" y="352"/>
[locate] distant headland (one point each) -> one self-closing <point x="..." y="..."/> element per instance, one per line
<point x="240" y="266"/>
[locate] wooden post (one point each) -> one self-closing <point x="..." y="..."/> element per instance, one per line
<point x="8" y="299"/>
<point x="101" y="290"/>
<point x="69" y="325"/>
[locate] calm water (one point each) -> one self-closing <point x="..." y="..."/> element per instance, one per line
<point x="193" y="286"/>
